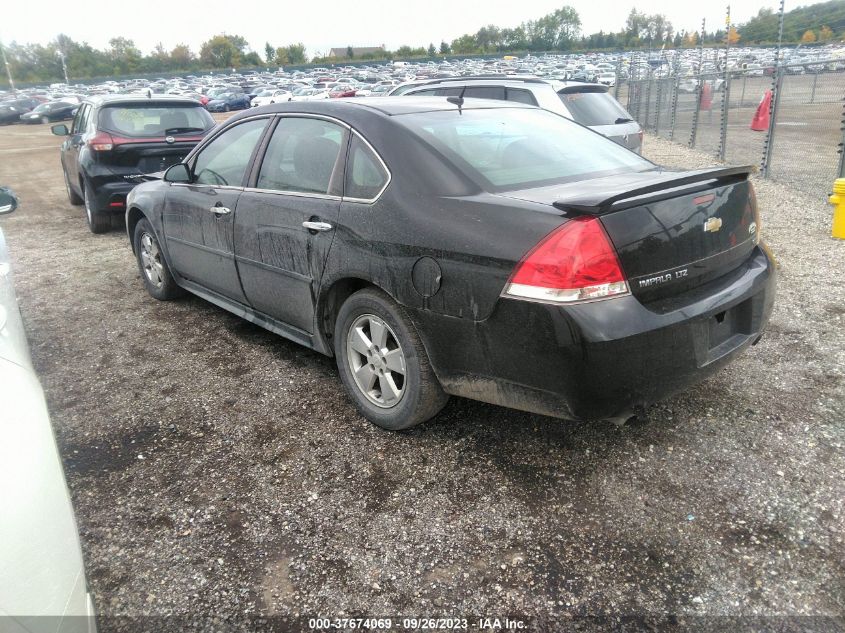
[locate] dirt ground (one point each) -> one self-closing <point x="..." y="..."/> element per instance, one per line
<point x="217" y="469"/>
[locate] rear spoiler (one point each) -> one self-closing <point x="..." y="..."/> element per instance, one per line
<point x="657" y="189"/>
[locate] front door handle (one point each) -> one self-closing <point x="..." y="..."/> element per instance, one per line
<point x="317" y="226"/>
<point x="218" y="211"/>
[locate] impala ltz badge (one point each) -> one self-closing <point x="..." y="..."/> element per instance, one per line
<point x="713" y="224"/>
<point x="169" y="140"/>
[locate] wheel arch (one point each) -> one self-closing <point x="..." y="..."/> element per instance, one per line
<point x="333" y="297"/>
<point x="133" y="216"/>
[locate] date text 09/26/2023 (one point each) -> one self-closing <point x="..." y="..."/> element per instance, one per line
<point x="418" y="624"/>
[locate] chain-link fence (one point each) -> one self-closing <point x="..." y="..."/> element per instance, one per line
<point x="800" y="143"/>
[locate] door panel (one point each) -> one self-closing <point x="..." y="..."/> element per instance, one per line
<point x="279" y="260"/>
<point x="201" y="242"/>
<point x="299" y="180"/>
<point x="199" y="218"/>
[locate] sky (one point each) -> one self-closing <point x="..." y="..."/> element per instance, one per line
<point x="331" y="23"/>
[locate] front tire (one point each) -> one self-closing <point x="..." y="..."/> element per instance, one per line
<point x="383" y="363"/>
<point x="155" y="272"/>
<point x="98" y="221"/>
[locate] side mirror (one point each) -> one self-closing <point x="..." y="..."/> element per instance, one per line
<point x="8" y="201"/>
<point x="178" y="173"/>
<point x="60" y="130"/>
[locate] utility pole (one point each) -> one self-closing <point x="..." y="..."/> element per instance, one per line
<point x="64" y="66"/>
<point x="8" y="68"/>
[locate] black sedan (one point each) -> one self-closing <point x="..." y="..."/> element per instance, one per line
<point x="474" y="248"/>
<point x="11" y="111"/>
<point x="51" y="111"/>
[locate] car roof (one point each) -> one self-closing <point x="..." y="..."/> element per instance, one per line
<point x="389" y="106"/>
<point x="507" y="80"/>
<point x="103" y="100"/>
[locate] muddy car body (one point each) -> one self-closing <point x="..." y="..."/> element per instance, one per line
<point x="575" y="295"/>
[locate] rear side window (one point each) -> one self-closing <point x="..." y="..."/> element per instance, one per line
<point x="365" y="176"/>
<point x="301" y="156"/>
<point x="162" y="120"/>
<point x="485" y="92"/>
<point x="223" y="162"/>
<point x="593" y="108"/>
<point x="521" y="96"/>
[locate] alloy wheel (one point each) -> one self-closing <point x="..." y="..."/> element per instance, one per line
<point x="376" y="360"/>
<point x="151" y="260"/>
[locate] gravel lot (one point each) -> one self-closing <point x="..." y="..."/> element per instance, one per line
<point x="218" y="469"/>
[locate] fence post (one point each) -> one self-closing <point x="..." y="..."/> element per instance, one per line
<point x="698" y="92"/>
<point x="648" y="100"/>
<point x="769" y="142"/>
<point x="777" y="83"/>
<point x="742" y="97"/>
<point x="726" y="103"/>
<point x="675" y="83"/>
<point x="841" y="149"/>
<point x="659" y="105"/>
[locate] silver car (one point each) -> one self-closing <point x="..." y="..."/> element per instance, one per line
<point x="42" y="578"/>
<point x="589" y="104"/>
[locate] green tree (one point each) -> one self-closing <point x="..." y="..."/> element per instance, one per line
<point x="431" y="50"/>
<point x="349" y="52"/>
<point x="269" y="52"/>
<point x="445" y="49"/>
<point x="222" y="51"/>
<point x="465" y="45"/>
<point x="182" y="58"/>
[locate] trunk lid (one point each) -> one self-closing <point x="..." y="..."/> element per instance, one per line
<point x="673" y="231"/>
<point x="146" y="156"/>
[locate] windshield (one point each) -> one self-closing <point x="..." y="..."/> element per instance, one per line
<point x="593" y="108"/>
<point x="513" y="148"/>
<point x="144" y="120"/>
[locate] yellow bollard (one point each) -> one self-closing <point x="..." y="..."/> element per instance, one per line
<point x="838" y="202"/>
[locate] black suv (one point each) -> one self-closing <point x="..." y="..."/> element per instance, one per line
<point x="116" y="142"/>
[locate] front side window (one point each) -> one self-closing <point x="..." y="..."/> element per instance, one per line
<point x="513" y="148"/>
<point x="365" y="176"/>
<point x="302" y="156"/>
<point x="79" y="121"/>
<point x="224" y="161"/>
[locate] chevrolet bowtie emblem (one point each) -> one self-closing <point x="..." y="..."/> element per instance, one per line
<point x="713" y="224"/>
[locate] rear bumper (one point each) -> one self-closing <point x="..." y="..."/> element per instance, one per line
<point x="600" y="359"/>
<point x="111" y="188"/>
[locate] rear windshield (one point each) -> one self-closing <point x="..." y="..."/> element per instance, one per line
<point x="593" y="108"/>
<point x="514" y="148"/>
<point x="158" y="120"/>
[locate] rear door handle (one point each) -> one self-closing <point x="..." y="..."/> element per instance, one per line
<point x="218" y="211"/>
<point x="317" y="226"/>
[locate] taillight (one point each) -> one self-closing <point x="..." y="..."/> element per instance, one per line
<point x="101" y="142"/>
<point x="575" y="262"/>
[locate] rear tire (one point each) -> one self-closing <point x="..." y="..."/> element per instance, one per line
<point x="383" y="363"/>
<point x="155" y="272"/>
<point x="98" y="221"/>
<point x="74" y="198"/>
